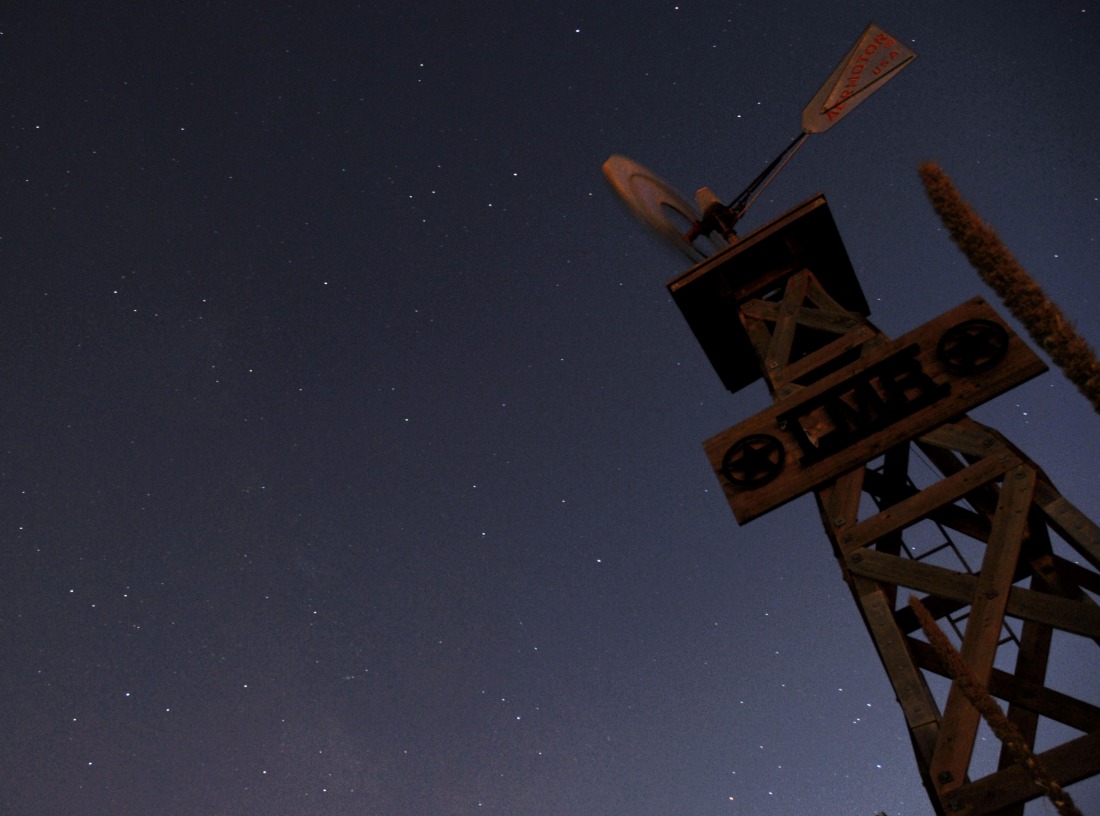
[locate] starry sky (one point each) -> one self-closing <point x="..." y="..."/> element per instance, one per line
<point x="351" y="447"/>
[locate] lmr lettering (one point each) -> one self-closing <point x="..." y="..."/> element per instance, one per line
<point x="876" y="398"/>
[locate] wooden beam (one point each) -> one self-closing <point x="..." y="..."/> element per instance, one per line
<point x="1031" y="671"/>
<point x="902" y="571"/>
<point x="959" y="726"/>
<point x="1068" y="763"/>
<point x="1078" y="574"/>
<point x="779" y="350"/>
<point x="921" y="505"/>
<point x="965" y="436"/>
<point x="1054" y="705"/>
<point x="827" y="353"/>
<point x="920" y="709"/>
<point x="1079" y="617"/>
<point x="805" y="316"/>
<point x="1075" y="527"/>
<point x="838" y="504"/>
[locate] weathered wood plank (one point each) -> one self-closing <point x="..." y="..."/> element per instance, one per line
<point x="901" y="571"/>
<point x="839" y="502"/>
<point x="1079" y="617"/>
<point x="913" y="695"/>
<point x="964" y="436"/>
<point x="1068" y="763"/>
<point x="1046" y="702"/>
<point x="807" y="316"/>
<point x="1031" y="671"/>
<point x="952" y="516"/>
<point x="1078" y="574"/>
<point x="811" y="362"/>
<point x="779" y="351"/>
<point x="1073" y="525"/>
<point x="759" y="337"/>
<point x="923" y="504"/>
<point x="959" y="726"/>
<point x="817" y="295"/>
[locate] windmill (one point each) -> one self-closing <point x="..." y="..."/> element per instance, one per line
<point x="980" y="546"/>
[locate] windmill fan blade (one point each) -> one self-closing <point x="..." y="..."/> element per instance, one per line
<point x="655" y="202"/>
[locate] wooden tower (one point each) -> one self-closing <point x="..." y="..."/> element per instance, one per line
<point x="860" y="420"/>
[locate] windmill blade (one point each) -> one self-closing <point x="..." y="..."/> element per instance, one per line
<point x="655" y="202"/>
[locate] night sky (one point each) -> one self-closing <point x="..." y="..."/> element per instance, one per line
<point x="351" y="456"/>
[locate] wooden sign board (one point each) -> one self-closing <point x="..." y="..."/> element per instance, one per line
<point x="902" y="389"/>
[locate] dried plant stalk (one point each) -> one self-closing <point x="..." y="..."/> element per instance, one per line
<point x="980" y="698"/>
<point x="1015" y="287"/>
